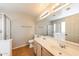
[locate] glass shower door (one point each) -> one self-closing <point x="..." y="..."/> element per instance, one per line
<point x="0" y="27"/>
<point x="5" y="27"/>
<point x="8" y="28"/>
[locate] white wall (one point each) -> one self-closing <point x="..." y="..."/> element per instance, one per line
<point x="6" y="47"/>
<point x="22" y="28"/>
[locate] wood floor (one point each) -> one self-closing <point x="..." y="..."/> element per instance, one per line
<point x="23" y="51"/>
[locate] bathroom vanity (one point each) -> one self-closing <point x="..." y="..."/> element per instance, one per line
<point x="49" y="46"/>
<point x="58" y="34"/>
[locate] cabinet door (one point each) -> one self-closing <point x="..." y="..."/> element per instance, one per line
<point x="45" y="52"/>
<point x="38" y="50"/>
<point x="34" y="47"/>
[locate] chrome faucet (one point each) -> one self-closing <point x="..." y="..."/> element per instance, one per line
<point x="62" y="46"/>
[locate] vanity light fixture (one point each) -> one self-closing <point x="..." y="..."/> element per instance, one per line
<point x="55" y="6"/>
<point x="45" y="14"/>
<point x="54" y="9"/>
<point x="61" y="7"/>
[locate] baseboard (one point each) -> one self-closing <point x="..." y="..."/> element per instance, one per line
<point x="20" y="46"/>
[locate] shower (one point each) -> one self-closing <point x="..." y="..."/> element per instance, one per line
<point x="5" y="35"/>
<point x="5" y="27"/>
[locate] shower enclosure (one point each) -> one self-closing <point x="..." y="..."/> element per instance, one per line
<point x="5" y="27"/>
<point x="5" y="35"/>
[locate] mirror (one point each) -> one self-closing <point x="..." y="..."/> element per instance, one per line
<point x="67" y="27"/>
<point x="49" y="28"/>
<point x="72" y="28"/>
<point x="63" y="24"/>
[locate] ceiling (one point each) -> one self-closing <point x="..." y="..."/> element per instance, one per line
<point x="33" y="9"/>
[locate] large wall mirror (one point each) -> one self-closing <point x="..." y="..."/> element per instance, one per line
<point x="67" y="27"/>
<point x="64" y="24"/>
<point x="72" y="28"/>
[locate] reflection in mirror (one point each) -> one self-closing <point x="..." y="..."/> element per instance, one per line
<point x="42" y="28"/>
<point x="72" y="28"/>
<point x="64" y="24"/>
<point x="59" y="29"/>
<point x="66" y="28"/>
<point x="54" y="28"/>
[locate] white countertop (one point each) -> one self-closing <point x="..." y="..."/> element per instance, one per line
<point x="51" y="44"/>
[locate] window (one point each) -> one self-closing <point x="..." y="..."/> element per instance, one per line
<point x="54" y="28"/>
<point x="59" y="30"/>
<point x="63" y="27"/>
<point x="59" y="27"/>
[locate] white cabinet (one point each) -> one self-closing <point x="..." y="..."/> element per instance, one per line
<point x="5" y="47"/>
